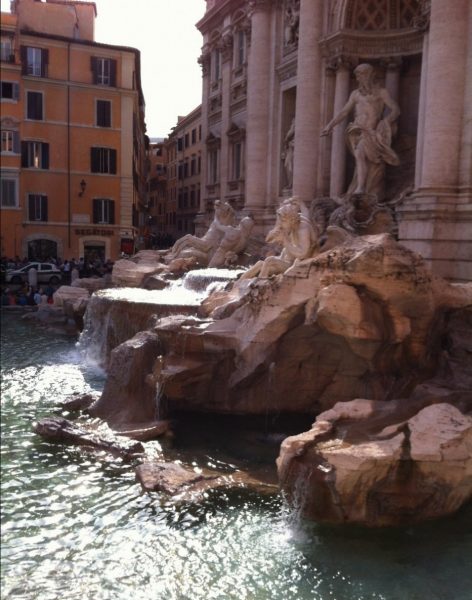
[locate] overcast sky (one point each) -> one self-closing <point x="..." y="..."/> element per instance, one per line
<point x="165" y="33"/>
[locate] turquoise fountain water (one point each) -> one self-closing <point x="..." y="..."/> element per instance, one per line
<point x="77" y="527"/>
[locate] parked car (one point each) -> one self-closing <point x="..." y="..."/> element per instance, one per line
<point x="47" y="273"/>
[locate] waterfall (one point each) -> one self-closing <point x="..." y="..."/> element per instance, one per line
<point x="115" y="315"/>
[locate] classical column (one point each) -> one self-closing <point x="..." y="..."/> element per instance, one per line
<point x="392" y="78"/>
<point x="200" y="220"/>
<point x="308" y="105"/>
<point x="448" y="38"/>
<point x="338" y="147"/>
<point x="258" y="80"/>
<point x="226" y="55"/>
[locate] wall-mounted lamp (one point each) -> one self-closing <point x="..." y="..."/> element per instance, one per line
<point x="83" y="185"/>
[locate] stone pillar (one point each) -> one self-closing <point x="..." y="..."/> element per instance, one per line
<point x="337" y="184"/>
<point x="448" y="39"/>
<point x="200" y="221"/>
<point x="437" y="221"/>
<point x="307" y="116"/>
<point x="257" y="128"/>
<point x="226" y="54"/>
<point x="392" y="78"/>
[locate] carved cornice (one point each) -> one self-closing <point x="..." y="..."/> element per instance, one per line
<point x="422" y="21"/>
<point x="287" y="69"/>
<point x="337" y="63"/>
<point x="258" y="5"/>
<point x="353" y="44"/>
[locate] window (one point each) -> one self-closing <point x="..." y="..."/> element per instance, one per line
<point x="240" y="50"/>
<point x="9" y="190"/>
<point x="34" y="61"/>
<point x="194" y="136"/>
<point x="35" y="155"/>
<point x="103" y="71"/>
<point x="193" y="166"/>
<point x="186" y="140"/>
<point x="216" y="65"/>
<point x="34" y="106"/>
<point x="37" y="207"/>
<point x="10" y="141"/>
<point x="103" y="211"/>
<point x="237" y="162"/>
<point x="103" y="160"/>
<point x="180" y="145"/>
<point x="10" y="90"/>
<point x="213" y="166"/>
<point x="103" y="113"/>
<point x="6" y="48"/>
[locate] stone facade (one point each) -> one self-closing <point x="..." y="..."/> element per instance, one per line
<point x="276" y="72"/>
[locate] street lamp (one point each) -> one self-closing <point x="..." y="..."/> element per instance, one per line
<point x="83" y="185"/>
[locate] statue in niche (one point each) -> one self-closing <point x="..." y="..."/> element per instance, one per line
<point x="287" y="154"/>
<point x="369" y="135"/>
<point x="295" y="232"/>
<point x="191" y="246"/>
<point x="292" y="22"/>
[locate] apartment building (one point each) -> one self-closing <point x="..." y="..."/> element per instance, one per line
<point x="156" y="231"/>
<point x="184" y="146"/>
<point x="73" y="155"/>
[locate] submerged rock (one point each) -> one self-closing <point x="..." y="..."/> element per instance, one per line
<point x="191" y="484"/>
<point x="57" y="429"/>
<point x="377" y="464"/>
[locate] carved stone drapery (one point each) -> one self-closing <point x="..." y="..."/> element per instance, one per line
<point x="226" y="46"/>
<point x="204" y="61"/>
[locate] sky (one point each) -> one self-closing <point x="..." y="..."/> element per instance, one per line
<point x="170" y="44"/>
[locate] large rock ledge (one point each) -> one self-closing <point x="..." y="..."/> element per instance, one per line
<point x="361" y="463"/>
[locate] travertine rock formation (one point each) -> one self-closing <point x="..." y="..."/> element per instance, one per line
<point x="380" y="463"/>
<point x="362" y="319"/>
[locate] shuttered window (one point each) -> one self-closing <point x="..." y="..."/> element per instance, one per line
<point x="103" y="160"/>
<point x="104" y="113"/>
<point x="35" y="155"/>
<point x="10" y="90"/>
<point x="34" y="106"/>
<point x="10" y="141"/>
<point x="34" y="61"/>
<point x="103" y="71"/>
<point x="37" y="207"/>
<point x="8" y="191"/>
<point x="103" y="211"/>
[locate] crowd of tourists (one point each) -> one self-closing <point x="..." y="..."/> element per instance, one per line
<point x="86" y="268"/>
<point x="32" y="295"/>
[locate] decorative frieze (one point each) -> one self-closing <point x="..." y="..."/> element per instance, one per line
<point x="367" y="45"/>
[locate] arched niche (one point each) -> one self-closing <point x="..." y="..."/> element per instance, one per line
<point x="386" y="34"/>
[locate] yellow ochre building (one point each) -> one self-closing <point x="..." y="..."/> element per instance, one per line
<point x="73" y="156"/>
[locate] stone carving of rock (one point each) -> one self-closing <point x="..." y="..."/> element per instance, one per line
<point x="57" y="429"/>
<point x="133" y="273"/>
<point x="369" y="463"/>
<point x="67" y="293"/>
<point x="91" y="284"/>
<point x="129" y="396"/>
<point x="190" y="484"/>
<point x="280" y="338"/>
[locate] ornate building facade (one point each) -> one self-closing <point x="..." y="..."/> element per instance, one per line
<point x="276" y="71"/>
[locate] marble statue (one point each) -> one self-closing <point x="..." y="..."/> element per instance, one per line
<point x="234" y="242"/>
<point x="287" y="154"/>
<point x="292" y="22"/>
<point x="369" y="135"/>
<point x="295" y="232"/>
<point x="191" y="246"/>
